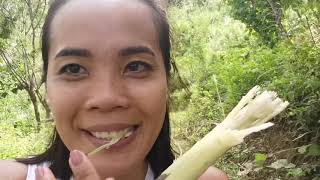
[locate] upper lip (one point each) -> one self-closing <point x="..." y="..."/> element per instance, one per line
<point x="109" y="127"/>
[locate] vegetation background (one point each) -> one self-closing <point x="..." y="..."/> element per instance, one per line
<point x="222" y="49"/>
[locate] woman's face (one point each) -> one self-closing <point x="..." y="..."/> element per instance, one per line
<point x="105" y="76"/>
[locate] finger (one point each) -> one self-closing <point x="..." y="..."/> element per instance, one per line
<point x="81" y="166"/>
<point x="44" y="173"/>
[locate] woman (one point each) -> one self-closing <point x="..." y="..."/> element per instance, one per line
<point x="107" y="68"/>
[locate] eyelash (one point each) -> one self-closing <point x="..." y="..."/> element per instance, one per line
<point x="80" y="71"/>
<point x="66" y="70"/>
<point x="147" y="67"/>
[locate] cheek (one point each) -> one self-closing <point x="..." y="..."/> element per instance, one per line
<point x="152" y="99"/>
<point x="64" y="102"/>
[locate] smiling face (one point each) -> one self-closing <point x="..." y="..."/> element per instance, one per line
<point x="105" y="76"/>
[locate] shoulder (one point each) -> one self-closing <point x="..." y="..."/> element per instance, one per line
<point x="213" y="173"/>
<point x="10" y="169"/>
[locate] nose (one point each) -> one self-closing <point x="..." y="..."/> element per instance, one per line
<point x="107" y="94"/>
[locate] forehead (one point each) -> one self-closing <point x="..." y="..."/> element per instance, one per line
<point x="104" y="22"/>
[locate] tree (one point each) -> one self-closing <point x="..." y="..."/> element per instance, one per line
<point x="262" y="17"/>
<point x="266" y="18"/>
<point x="19" y="48"/>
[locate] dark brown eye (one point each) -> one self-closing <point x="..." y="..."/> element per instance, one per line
<point x="72" y="69"/>
<point x="137" y="66"/>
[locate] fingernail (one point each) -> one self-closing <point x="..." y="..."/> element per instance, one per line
<point x="76" y="157"/>
<point x="39" y="172"/>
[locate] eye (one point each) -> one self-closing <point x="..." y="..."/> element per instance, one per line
<point x="137" y="67"/>
<point x="73" y="70"/>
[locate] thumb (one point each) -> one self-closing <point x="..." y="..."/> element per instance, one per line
<point x="81" y="166"/>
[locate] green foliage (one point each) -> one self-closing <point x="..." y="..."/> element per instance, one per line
<point x="260" y="158"/>
<point x="20" y="59"/>
<point x="17" y="143"/>
<point x="220" y="59"/>
<point x="228" y="62"/>
<point x="259" y="17"/>
<point x="14" y="108"/>
<point x="314" y="150"/>
<point x="191" y="47"/>
<point x="7" y="83"/>
<point x="7" y="22"/>
<point x="18" y="133"/>
<point x="300" y="84"/>
<point x="296" y="172"/>
<point x="274" y="20"/>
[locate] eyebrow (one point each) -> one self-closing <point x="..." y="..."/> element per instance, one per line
<point x="129" y="51"/>
<point x="75" y="52"/>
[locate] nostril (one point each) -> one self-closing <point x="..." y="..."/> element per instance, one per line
<point x="107" y="101"/>
<point x="120" y="107"/>
<point x="94" y="108"/>
<point x="111" y="108"/>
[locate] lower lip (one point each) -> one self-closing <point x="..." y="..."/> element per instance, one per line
<point x="120" y="144"/>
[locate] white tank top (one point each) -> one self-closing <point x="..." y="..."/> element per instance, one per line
<point x="32" y="168"/>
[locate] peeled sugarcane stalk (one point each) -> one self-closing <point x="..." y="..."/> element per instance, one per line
<point x="249" y="116"/>
<point x="105" y="146"/>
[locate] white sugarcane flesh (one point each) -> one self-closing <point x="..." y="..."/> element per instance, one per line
<point x="247" y="117"/>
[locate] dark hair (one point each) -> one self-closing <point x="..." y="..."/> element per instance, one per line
<point x="160" y="156"/>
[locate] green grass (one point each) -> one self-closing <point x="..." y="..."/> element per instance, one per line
<point x="15" y="143"/>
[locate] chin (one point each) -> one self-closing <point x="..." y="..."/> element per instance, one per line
<point x="117" y="167"/>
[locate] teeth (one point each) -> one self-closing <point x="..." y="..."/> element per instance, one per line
<point x="113" y="134"/>
<point x="128" y="134"/>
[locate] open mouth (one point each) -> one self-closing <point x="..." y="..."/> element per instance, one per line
<point x="117" y="137"/>
<point x="110" y="136"/>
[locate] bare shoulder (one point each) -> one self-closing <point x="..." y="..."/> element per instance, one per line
<point x="213" y="173"/>
<point x="12" y="170"/>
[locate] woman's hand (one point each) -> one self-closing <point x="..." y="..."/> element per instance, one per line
<point x="80" y="165"/>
